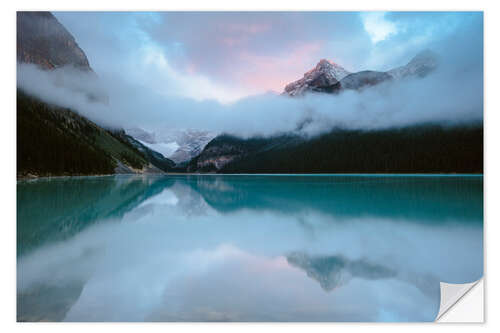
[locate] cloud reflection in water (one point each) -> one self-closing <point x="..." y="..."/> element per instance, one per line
<point x="245" y="248"/>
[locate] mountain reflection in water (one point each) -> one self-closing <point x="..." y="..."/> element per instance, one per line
<point x="333" y="271"/>
<point x="245" y="248"/>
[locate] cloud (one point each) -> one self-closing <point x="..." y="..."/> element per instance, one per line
<point x="117" y="45"/>
<point x="376" y="25"/>
<point x="415" y="31"/>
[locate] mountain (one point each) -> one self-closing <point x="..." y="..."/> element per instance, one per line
<point x="319" y="79"/>
<point x="334" y="271"/>
<point x="227" y="149"/>
<point x="57" y="141"/>
<point x="427" y="148"/>
<point x="141" y="135"/>
<point x="356" y="81"/>
<point x="190" y="144"/>
<point x="52" y="140"/>
<point x="328" y="77"/>
<point x="42" y="40"/>
<point x="422" y="64"/>
<point x="179" y="145"/>
<point x="154" y="157"/>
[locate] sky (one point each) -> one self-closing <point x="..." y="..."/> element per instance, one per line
<point x="230" y="55"/>
<point x="220" y="71"/>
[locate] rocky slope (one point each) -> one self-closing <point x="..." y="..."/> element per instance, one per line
<point x="422" y="64"/>
<point x="227" y="149"/>
<point x="359" y="80"/>
<point x="42" y="40"/>
<point x="154" y="157"/>
<point x="191" y="144"/>
<point x="179" y="145"/>
<point x="319" y="79"/>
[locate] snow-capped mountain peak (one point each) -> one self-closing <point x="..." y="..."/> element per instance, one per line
<point x="330" y="68"/>
<point x="179" y="145"/>
<point x="325" y="74"/>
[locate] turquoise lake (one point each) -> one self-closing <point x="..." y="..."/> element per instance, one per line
<point x="245" y="247"/>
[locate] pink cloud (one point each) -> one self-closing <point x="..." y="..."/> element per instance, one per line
<point x="254" y="28"/>
<point x="255" y="52"/>
<point x="273" y="72"/>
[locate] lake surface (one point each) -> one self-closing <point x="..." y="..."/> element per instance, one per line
<point x="245" y="248"/>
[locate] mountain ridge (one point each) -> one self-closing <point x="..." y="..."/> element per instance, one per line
<point x="43" y="40"/>
<point x="329" y="77"/>
<point x="424" y="148"/>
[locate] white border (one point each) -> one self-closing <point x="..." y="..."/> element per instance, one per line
<point x="8" y="138"/>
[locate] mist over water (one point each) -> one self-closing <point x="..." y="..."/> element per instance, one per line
<point x="245" y="248"/>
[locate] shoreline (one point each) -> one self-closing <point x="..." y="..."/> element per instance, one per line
<point x="34" y="177"/>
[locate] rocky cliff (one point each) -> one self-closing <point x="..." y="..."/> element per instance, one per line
<point x="42" y="40"/>
<point x="321" y="78"/>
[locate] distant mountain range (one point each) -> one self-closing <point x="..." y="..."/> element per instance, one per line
<point x="329" y="77"/>
<point x="57" y="141"/>
<point x="179" y="145"/>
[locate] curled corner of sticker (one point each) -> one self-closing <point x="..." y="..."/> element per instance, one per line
<point x="452" y="294"/>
